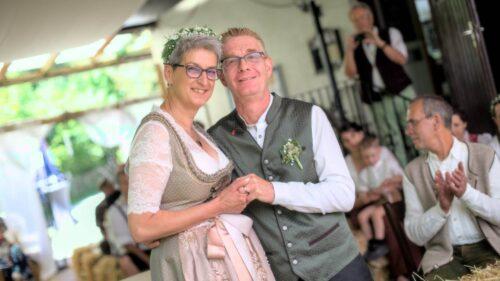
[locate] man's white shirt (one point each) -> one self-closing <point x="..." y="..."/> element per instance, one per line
<point x="335" y="190"/>
<point x="421" y="226"/>
<point x="116" y="226"/>
<point x="396" y="42"/>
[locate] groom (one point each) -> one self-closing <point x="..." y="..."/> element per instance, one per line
<point x="300" y="186"/>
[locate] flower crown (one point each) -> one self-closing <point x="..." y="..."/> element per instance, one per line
<point x="183" y="33"/>
<point x="494" y="102"/>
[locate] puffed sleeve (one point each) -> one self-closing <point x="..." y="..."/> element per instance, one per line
<point x="149" y="167"/>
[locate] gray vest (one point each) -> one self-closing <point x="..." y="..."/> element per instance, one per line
<point x="439" y="251"/>
<point x="298" y="245"/>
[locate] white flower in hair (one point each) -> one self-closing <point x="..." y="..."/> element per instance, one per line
<point x="183" y="33"/>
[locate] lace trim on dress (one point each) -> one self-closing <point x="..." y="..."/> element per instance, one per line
<point x="190" y="161"/>
<point x="149" y="162"/>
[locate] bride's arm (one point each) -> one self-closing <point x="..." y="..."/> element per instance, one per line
<point x="150" y="165"/>
<point x="152" y="226"/>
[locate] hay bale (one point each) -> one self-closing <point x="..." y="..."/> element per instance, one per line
<point x="106" y="269"/>
<point x="76" y="259"/>
<point x="89" y="259"/>
<point x="488" y="273"/>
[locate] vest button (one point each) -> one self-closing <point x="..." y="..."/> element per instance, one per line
<point x="266" y="161"/>
<point x="270" y="178"/>
<point x="289" y="244"/>
<point x="285" y="227"/>
<point x="295" y="261"/>
<point x="279" y="212"/>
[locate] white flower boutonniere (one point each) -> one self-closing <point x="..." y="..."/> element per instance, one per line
<point x="290" y="153"/>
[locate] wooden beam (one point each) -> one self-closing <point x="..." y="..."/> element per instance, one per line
<point x="71" y="115"/>
<point x="3" y="71"/>
<point x="102" y="48"/>
<point x="49" y="63"/>
<point x="71" y="70"/>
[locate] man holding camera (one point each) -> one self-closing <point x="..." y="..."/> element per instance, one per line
<point x="377" y="57"/>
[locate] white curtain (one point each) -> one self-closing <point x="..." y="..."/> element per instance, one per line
<point x="110" y="128"/>
<point x="21" y="158"/>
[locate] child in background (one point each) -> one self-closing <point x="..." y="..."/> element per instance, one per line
<point x="381" y="176"/>
<point x="13" y="263"/>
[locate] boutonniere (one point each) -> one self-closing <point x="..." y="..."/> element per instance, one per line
<point x="290" y="153"/>
<point x="236" y="132"/>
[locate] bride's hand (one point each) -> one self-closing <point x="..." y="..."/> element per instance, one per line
<point x="231" y="200"/>
<point x="260" y="189"/>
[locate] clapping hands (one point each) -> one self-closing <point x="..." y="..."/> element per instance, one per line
<point x="450" y="185"/>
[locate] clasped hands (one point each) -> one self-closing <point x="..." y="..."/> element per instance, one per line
<point x="244" y="190"/>
<point x="450" y="185"/>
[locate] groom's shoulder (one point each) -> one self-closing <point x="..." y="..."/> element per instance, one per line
<point x="295" y="103"/>
<point x="224" y="124"/>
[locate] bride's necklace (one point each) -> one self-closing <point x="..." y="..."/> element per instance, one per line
<point x="194" y="135"/>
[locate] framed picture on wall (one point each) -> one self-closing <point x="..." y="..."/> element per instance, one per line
<point x="277" y="82"/>
<point x="334" y="44"/>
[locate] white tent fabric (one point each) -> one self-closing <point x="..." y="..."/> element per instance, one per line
<point x="110" y="128"/>
<point x="29" y="28"/>
<point x="20" y="159"/>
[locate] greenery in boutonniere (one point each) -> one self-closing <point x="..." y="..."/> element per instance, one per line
<point x="290" y="153"/>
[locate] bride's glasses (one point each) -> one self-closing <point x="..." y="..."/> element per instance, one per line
<point x="193" y="71"/>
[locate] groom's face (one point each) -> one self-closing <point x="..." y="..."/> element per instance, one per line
<point x="245" y="77"/>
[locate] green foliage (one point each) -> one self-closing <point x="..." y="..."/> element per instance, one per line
<point x="91" y="89"/>
<point x="76" y="154"/>
<point x="72" y="149"/>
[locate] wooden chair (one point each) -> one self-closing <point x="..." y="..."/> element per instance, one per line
<point x="402" y="251"/>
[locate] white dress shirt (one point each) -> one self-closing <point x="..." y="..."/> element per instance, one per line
<point x="372" y="176"/>
<point x="421" y="226"/>
<point x="385" y="155"/>
<point x="115" y="223"/>
<point x="335" y="190"/>
<point x="396" y="41"/>
<point x="495" y="145"/>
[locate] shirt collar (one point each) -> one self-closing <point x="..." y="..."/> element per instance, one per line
<point x="262" y="118"/>
<point x="457" y="151"/>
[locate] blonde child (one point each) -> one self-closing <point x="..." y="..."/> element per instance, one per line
<point x="381" y="176"/>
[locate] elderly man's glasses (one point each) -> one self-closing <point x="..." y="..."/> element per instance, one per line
<point x="253" y="58"/>
<point x="193" y="71"/>
<point x="413" y="123"/>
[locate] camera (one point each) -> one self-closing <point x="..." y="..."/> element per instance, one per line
<point x="359" y="37"/>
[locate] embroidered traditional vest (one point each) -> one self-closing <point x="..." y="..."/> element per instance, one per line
<point x="298" y="245"/>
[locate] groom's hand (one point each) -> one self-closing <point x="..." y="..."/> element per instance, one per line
<point x="260" y="189"/>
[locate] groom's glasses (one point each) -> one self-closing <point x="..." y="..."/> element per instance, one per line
<point x="252" y="58"/>
<point x="193" y="71"/>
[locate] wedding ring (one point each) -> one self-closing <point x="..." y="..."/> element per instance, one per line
<point x="245" y="189"/>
